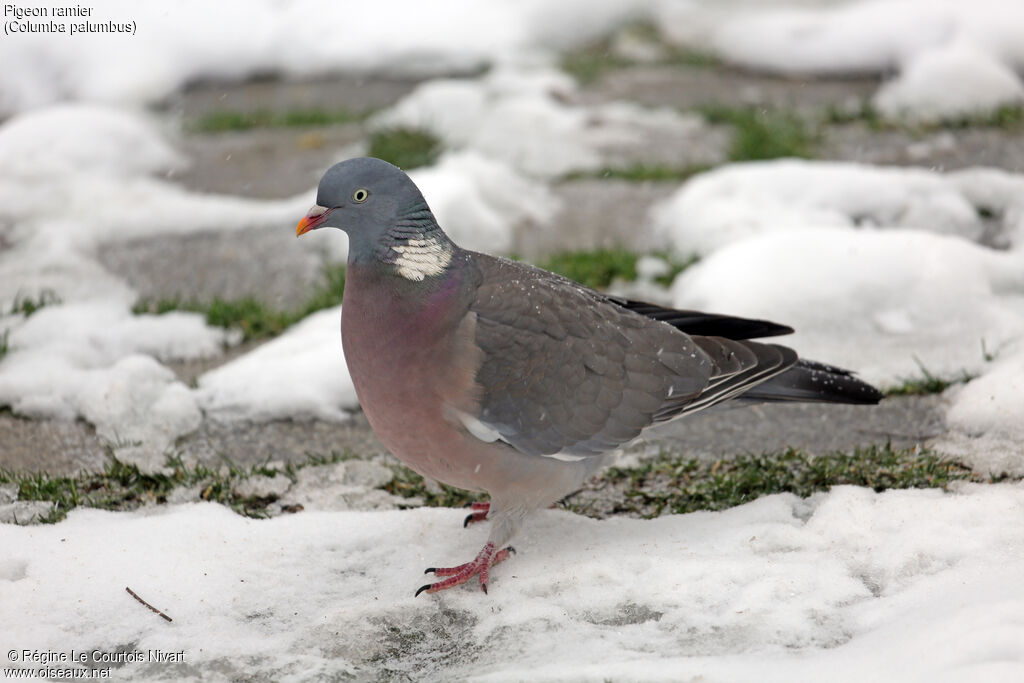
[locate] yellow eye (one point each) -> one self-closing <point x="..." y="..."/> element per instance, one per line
<point x="360" y="195"/>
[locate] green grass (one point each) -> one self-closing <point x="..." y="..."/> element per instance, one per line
<point x="675" y="266"/>
<point x="865" y="113"/>
<point x="27" y="305"/>
<point x="594" y="268"/>
<point x="225" y="120"/>
<point x="639" y="173"/>
<point x="927" y="383"/>
<point x="666" y="485"/>
<point x="591" y="62"/>
<point x="597" y="268"/>
<point x="408" y="484"/>
<point x="688" y="485"/>
<point x="255" y="319"/>
<point x="763" y="134"/>
<point x="406" y="148"/>
<point x="1009" y="117"/>
<point x="122" y="486"/>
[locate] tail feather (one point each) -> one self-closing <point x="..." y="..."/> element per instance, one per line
<point x="706" y="324"/>
<point x="806" y="380"/>
<point x="809" y="380"/>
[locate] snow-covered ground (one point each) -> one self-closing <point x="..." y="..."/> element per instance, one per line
<point x="947" y="58"/>
<point x="229" y="39"/>
<point x="849" y="585"/>
<point x="878" y="269"/>
<point x="520" y="117"/>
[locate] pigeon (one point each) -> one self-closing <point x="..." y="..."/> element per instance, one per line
<point x="495" y="376"/>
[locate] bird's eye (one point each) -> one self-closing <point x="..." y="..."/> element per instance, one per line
<point x="360" y="195"/>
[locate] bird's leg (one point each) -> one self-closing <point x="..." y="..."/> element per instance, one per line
<point x="481" y="566"/>
<point x="505" y="521"/>
<point x="480" y="509"/>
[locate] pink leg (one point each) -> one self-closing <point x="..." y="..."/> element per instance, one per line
<point x="479" y="514"/>
<point x="481" y="566"/>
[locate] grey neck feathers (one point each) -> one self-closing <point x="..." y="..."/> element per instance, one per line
<point x="416" y="246"/>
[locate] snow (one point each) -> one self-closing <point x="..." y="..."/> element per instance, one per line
<point x="739" y="201"/>
<point x="882" y="270"/>
<point x="986" y="417"/>
<point x="878" y="269"/>
<point x="96" y="360"/>
<point x="300" y="375"/>
<point x="522" y="117"/>
<point x="481" y="201"/>
<point x="77" y="177"/>
<point x="238" y="38"/>
<point x="952" y="58"/>
<point x="870" y="300"/>
<point x="922" y="91"/>
<point x="73" y="178"/>
<point x="863" y="585"/>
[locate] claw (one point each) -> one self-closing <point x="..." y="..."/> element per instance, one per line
<point x="421" y="589"/>
<point x="430" y="570"/>
<point x="480" y="566"/>
<point x="479" y="514"/>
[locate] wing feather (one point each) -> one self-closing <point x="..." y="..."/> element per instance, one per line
<point x="567" y="371"/>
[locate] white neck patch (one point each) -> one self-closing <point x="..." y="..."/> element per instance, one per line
<point x="419" y="258"/>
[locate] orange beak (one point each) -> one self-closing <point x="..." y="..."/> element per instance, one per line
<point x="312" y="220"/>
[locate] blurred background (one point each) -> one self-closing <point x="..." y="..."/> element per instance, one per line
<point x="851" y="168"/>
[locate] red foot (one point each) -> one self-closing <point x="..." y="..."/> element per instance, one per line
<point x="485" y="559"/>
<point x="479" y="514"/>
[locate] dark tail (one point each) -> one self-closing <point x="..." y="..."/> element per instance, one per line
<point x="806" y="380"/>
<point x="809" y="380"/>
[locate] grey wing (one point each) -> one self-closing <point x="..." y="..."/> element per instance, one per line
<point x="566" y="372"/>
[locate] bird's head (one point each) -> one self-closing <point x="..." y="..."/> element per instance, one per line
<point x="385" y="216"/>
<point x="361" y="196"/>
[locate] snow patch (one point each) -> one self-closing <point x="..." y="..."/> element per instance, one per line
<point x="852" y="582"/>
<point x="951" y="57"/>
<point x="299" y="375"/>
<point x="739" y="201"/>
<point x="869" y="300"/>
<point x="239" y="38"/>
<point x="948" y="83"/>
<point x="480" y="202"/>
<point x="523" y="118"/>
<point x="71" y="179"/>
<point x="840" y="252"/>
<point x="986" y="417"/>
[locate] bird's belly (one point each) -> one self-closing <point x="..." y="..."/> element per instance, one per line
<point x="409" y="387"/>
<point x="404" y="394"/>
